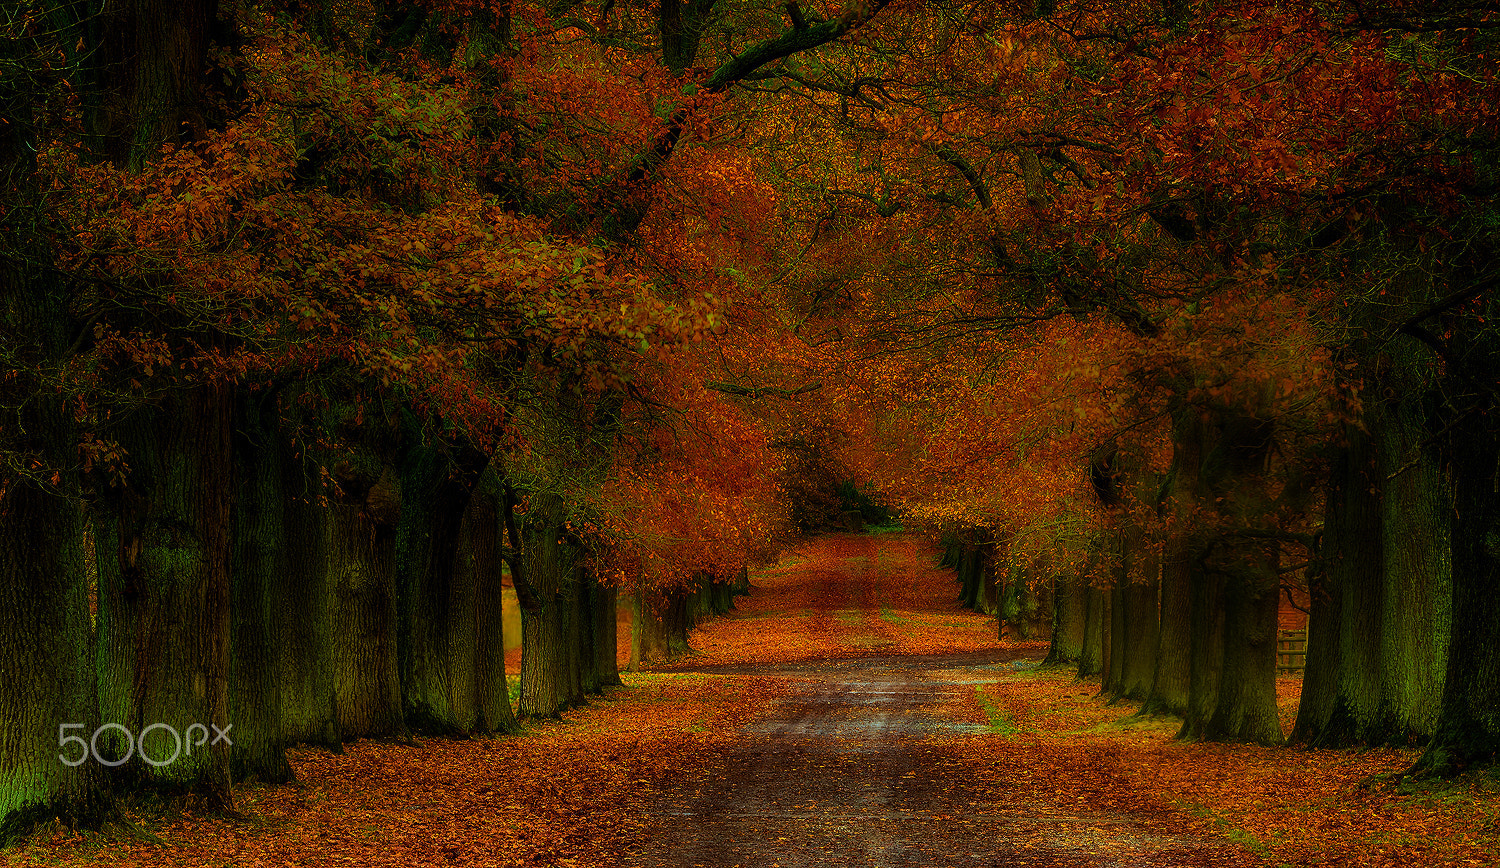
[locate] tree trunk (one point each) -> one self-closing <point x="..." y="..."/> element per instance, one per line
<point x="1341" y="685"/>
<point x="722" y="592"/>
<point x="659" y="629"/>
<point x="545" y="641"/>
<point x="1246" y="707"/>
<point x="1233" y="584"/>
<point x="970" y="572"/>
<point x="1139" y="618"/>
<point x="479" y="565"/>
<point x="361" y="541"/>
<point x="580" y="642"/>
<point x="1172" y="670"/>
<point x="149" y="70"/>
<point x="304" y="595"/>
<point x="1379" y="627"/>
<point x="1468" y="725"/>
<point x="164" y="595"/>
<point x="588" y="618"/>
<point x="1113" y="675"/>
<point x="1095" y="611"/>
<point x="606" y="634"/>
<point x="1206" y="650"/>
<point x="1068" y="618"/>
<point x="46" y="639"/>
<point x="1418" y="569"/>
<point x="259" y="560"/>
<point x="434" y="609"/>
<point x="45" y="652"/>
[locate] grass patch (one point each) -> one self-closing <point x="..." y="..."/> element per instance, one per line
<point x="1239" y="837"/>
<point x="888" y="615"/>
<point x="1000" y="723"/>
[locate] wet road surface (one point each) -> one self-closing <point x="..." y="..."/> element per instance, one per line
<point x="845" y="772"/>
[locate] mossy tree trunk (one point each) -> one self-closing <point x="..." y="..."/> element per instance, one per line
<point x="1467" y="730"/>
<point x="304" y="599"/>
<point x="164" y="593"/>
<point x="45" y="653"/>
<point x="1341" y="683"/>
<point x="46" y="640"/>
<point x="1378" y="631"/>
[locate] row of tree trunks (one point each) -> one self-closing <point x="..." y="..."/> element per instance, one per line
<point x="662" y="619"/>
<point x="1379" y="624"/>
<point x="229" y="602"/>
<point x="568" y="647"/>
<point x="1192" y="633"/>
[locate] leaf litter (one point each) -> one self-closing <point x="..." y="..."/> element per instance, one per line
<point x="847" y="713"/>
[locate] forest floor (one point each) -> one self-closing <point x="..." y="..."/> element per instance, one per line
<point x="848" y="713"/>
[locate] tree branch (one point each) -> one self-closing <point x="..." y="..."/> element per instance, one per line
<point x="512" y="554"/>
<point x="963" y="167"/>
<point x="792" y="41"/>
<point x="758" y="391"/>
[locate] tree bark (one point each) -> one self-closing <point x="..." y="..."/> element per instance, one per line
<point x="606" y="634"/>
<point x="545" y="641"/>
<point x="1378" y="631"/>
<point x="46" y="649"/>
<point x="1068" y="618"/>
<point x="1341" y="693"/>
<point x="1140" y="618"/>
<point x="479" y="557"/>
<point x="434" y="604"/>
<point x="660" y="627"/>
<point x="1095" y="611"/>
<point x="1467" y="731"/>
<point x="46" y="639"/>
<point x="164" y="592"/>
<point x="148" y="72"/>
<point x="304" y="595"/>
<point x="1233" y="585"/>
<point x="259" y="560"/>
<point x="361" y="542"/>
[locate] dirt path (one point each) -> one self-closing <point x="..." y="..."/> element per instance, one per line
<point x="856" y="764"/>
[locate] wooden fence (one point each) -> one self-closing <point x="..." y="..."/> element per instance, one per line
<point x="1291" y="650"/>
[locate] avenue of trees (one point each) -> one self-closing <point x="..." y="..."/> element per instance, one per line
<point x="315" y="314"/>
